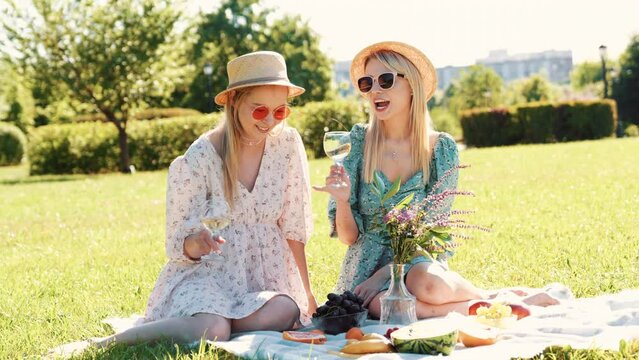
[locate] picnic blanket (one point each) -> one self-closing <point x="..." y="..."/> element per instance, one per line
<point x="581" y="323"/>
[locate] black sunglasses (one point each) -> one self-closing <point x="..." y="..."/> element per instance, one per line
<point x="385" y="81"/>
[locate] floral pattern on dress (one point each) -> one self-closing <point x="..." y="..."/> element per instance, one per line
<point x="258" y="261"/>
<point x="371" y="251"/>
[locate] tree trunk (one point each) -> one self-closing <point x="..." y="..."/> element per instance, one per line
<point x="123" y="142"/>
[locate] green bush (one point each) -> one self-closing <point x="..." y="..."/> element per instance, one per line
<point x="539" y="123"/>
<point x="631" y="130"/>
<point x="146" y="114"/>
<point x="315" y="118"/>
<point x="586" y="120"/>
<point x="490" y="127"/>
<point x="154" y="144"/>
<point x="93" y="147"/>
<point x="13" y="144"/>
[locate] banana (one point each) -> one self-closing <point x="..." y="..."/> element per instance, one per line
<point x="368" y="347"/>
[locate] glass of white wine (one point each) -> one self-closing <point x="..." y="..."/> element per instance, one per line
<point x="337" y="144"/>
<point x="216" y="216"/>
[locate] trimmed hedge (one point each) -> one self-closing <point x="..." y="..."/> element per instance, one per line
<point x="146" y="114"/>
<point x="315" y="118"/>
<point x="13" y="144"/>
<point x="93" y="147"/>
<point x="539" y="123"/>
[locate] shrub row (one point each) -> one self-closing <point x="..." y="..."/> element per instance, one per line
<point x="93" y="147"/>
<point x="146" y="114"/>
<point x="13" y="144"/>
<point x="539" y="123"/>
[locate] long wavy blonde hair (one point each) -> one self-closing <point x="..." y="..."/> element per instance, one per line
<point x="231" y="133"/>
<point x="419" y="121"/>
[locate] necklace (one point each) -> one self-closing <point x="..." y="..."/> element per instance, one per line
<point x="250" y="142"/>
<point x="393" y="154"/>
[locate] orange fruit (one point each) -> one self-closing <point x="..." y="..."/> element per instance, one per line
<point x="354" y="333"/>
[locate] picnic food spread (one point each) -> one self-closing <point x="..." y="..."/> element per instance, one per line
<point x="428" y="337"/>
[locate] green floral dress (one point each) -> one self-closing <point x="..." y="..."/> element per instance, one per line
<point x="371" y="251"/>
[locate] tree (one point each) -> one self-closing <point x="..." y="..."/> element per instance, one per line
<point x="625" y="88"/>
<point x="238" y="27"/>
<point x="477" y="86"/>
<point x="585" y="73"/>
<point x="307" y="65"/>
<point x="117" y="56"/>
<point x="530" y="89"/>
<point x="16" y="103"/>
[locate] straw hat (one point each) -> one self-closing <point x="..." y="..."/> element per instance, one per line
<point x="257" y="68"/>
<point x="414" y="55"/>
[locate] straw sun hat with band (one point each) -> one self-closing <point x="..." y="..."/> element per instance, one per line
<point x="414" y="55"/>
<point x="254" y="69"/>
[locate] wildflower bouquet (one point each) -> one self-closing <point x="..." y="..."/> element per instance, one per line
<point x="424" y="227"/>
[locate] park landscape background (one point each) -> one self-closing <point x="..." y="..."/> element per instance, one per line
<point x="81" y="242"/>
<point x="80" y="248"/>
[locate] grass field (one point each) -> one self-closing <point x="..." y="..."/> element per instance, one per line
<point x="77" y="249"/>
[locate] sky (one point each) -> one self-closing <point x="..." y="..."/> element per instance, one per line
<point x="458" y="32"/>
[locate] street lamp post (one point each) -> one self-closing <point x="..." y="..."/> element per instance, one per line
<point x="208" y="71"/>
<point x="602" y="52"/>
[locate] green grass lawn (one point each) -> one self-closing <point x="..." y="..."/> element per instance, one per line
<point x="77" y="249"/>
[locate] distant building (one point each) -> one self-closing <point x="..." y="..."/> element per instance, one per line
<point x="555" y="65"/>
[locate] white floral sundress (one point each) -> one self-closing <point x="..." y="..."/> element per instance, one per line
<point x="258" y="261"/>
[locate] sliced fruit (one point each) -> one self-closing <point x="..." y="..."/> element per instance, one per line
<point x="432" y="337"/>
<point x="473" y="335"/>
<point x="304" y="337"/>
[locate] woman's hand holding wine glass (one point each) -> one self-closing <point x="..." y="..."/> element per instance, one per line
<point x="206" y="244"/>
<point x="337" y="145"/>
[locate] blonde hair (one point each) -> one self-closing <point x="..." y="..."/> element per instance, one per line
<point x="419" y="121"/>
<point x="231" y="133"/>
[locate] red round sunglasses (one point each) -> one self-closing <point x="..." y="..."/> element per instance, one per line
<point x="279" y="113"/>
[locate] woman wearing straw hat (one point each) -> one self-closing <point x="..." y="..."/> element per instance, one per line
<point x="397" y="80"/>
<point x="257" y="166"/>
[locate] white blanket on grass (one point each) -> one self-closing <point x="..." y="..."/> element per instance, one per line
<point x="581" y="323"/>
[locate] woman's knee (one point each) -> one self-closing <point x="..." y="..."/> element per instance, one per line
<point x="286" y="309"/>
<point x="429" y="288"/>
<point x="213" y="327"/>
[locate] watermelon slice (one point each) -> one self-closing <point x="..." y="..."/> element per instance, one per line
<point x="431" y="337"/>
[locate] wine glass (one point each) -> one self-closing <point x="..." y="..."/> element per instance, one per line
<point x="216" y="215"/>
<point x="337" y="144"/>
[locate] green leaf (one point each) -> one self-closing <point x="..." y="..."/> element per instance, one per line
<point x="405" y="201"/>
<point x="379" y="184"/>
<point x="420" y="250"/>
<point x="440" y="229"/>
<point x="393" y="190"/>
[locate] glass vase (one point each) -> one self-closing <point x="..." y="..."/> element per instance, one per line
<point x="398" y="304"/>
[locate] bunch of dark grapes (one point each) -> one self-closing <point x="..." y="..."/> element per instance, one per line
<point x="344" y="304"/>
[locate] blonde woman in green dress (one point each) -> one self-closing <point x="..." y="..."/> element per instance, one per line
<point x="397" y="80"/>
